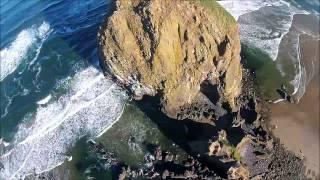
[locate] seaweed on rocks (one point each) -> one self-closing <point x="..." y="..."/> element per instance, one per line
<point x="158" y="164"/>
<point x="192" y="84"/>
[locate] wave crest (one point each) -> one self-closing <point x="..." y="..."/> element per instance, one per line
<point x="13" y="55"/>
<point x="90" y="106"/>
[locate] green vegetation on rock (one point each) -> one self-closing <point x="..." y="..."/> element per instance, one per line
<point x="171" y="47"/>
<point x="235" y="154"/>
<point x="224" y="17"/>
<point x="233" y="150"/>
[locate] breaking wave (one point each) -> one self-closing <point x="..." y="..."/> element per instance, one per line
<point x="263" y="25"/>
<point x="45" y="100"/>
<point x="256" y="28"/>
<point x="90" y="105"/>
<point x="13" y="55"/>
<point x="239" y="7"/>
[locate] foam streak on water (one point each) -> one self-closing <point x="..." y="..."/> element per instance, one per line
<point x="239" y="7"/>
<point x="263" y="25"/>
<point x="300" y="80"/>
<point x="13" y="55"/>
<point x="91" y="105"/>
<point x="45" y="100"/>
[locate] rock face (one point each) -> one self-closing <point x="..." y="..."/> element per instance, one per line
<point x="169" y="48"/>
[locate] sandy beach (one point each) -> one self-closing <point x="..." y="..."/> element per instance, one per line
<point x="297" y="125"/>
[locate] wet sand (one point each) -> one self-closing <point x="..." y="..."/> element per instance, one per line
<point x="297" y="125"/>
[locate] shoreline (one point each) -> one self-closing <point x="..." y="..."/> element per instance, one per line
<point x="298" y="124"/>
<point x="283" y="160"/>
<point x="278" y="155"/>
<point x="246" y="128"/>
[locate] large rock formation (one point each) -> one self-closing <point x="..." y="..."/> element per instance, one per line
<point x="169" y="48"/>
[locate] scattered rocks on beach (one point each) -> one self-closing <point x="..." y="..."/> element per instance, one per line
<point x="283" y="92"/>
<point x="158" y="164"/>
<point x="190" y="61"/>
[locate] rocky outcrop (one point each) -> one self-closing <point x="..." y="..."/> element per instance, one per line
<point x="158" y="164"/>
<point x="170" y="48"/>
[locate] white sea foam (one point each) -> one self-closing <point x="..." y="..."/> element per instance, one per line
<point x="91" y="105"/>
<point x="267" y="23"/>
<point x="5" y="144"/>
<point x="263" y="24"/>
<point x="300" y="80"/>
<point x="12" y="56"/>
<point x="45" y="100"/>
<point x="279" y="100"/>
<point x="302" y="75"/>
<point x="69" y="158"/>
<point x="239" y="7"/>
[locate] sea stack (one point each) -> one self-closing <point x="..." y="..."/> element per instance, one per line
<point x="173" y="49"/>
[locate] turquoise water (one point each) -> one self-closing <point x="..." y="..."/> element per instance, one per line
<point x="267" y="76"/>
<point x="52" y="90"/>
<point x="41" y="44"/>
<point x="54" y="96"/>
<point x="132" y="124"/>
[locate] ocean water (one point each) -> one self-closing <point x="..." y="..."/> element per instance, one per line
<point x="264" y="25"/>
<point x="53" y="93"/>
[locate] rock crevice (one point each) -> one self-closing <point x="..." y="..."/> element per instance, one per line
<point x="169" y="48"/>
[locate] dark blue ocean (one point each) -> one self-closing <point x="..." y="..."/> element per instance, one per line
<point x="52" y="89"/>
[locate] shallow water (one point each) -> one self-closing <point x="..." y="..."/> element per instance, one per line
<point x="286" y="51"/>
<point x="265" y="25"/>
<point x="297" y="125"/>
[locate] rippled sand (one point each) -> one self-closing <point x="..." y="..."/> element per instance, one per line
<point x="297" y="125"/>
